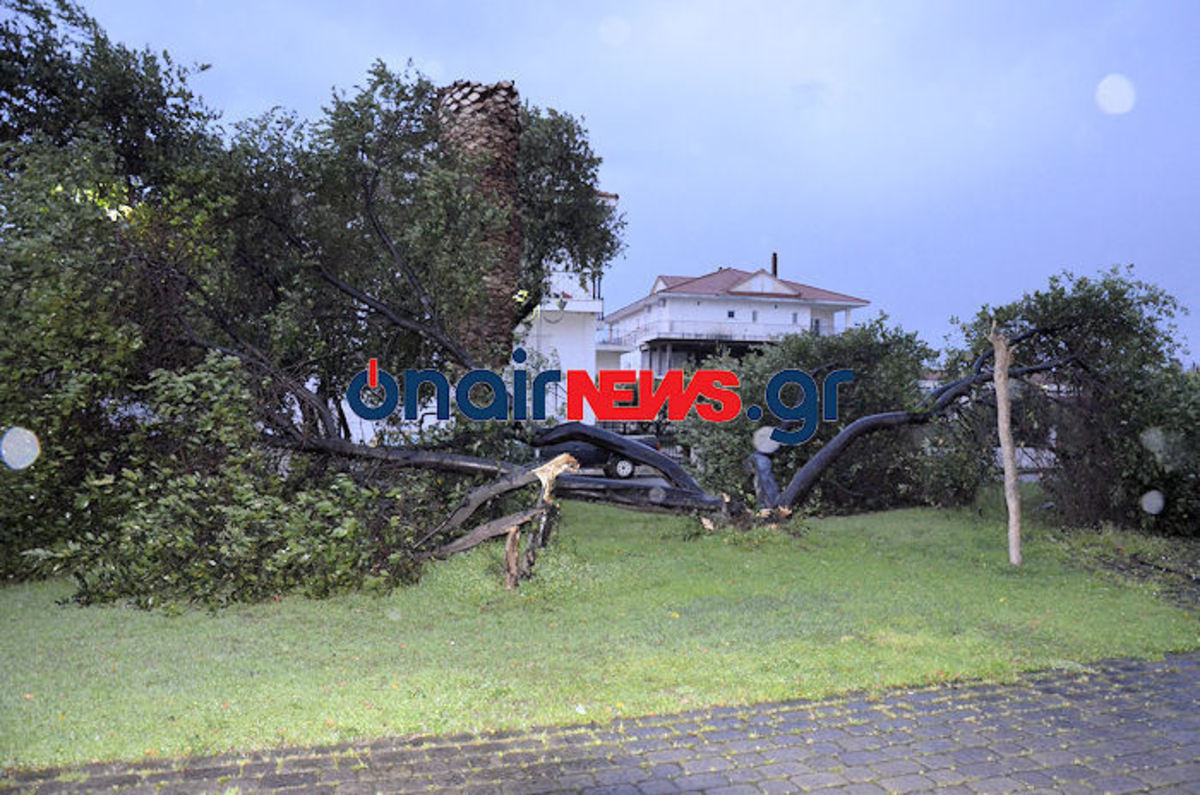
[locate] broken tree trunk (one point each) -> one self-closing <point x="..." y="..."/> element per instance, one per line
<point x="512" y="558"/>
<point x="516" y="566"/>
<point x="539" y="539"/>
<point x="1008" y="453"/>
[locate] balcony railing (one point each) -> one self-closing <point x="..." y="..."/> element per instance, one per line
<point x="732" y="331"/>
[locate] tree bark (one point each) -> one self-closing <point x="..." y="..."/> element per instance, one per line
<point x="496" y="527"/>
<point x="512" y="558"/>
<point x="1008" y="453"/>
<point x="482" y="125"/>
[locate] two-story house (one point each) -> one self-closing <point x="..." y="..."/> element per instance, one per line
<point x="685" y="318"/>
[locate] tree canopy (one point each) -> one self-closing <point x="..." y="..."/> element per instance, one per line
<point x="1121" y="408"/>
<point x="145" y="244"/>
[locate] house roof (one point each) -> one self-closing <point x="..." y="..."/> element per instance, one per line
<point x="735" y="281"/>
<point x="738" y="282"/>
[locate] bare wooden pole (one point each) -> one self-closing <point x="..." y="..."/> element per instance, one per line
<point x="1008" y="452"/>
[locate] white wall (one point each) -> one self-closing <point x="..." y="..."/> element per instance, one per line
<point x="608" y="360"/>
<point x="563" y="338"/>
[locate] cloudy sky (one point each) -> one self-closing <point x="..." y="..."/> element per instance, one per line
<point x="928" y="156"/>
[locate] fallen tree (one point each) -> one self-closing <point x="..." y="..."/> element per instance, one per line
<point x="188" y="309"/>
<point x="146" y="249"/>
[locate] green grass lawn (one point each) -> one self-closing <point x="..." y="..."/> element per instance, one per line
<point x="624" y="616"/>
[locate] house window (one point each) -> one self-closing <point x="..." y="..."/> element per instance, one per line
<point x="754" y="316"/>
<point x="730" y="313"/>
<point x="816" y="326"/>
<point x="795" y="318"/>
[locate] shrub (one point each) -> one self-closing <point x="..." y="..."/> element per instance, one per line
<point x="201" y="512"/>
<point x="901" y="467"/>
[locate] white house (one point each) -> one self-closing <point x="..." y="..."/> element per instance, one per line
<point x="688" y="317"/>
<point x="561" y="333"/>
<point x="683" y="318"/>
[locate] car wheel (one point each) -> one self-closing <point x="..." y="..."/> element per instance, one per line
<point x="622" y="468"/>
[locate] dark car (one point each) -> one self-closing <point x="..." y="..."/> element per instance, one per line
<point x="589" y="455"/>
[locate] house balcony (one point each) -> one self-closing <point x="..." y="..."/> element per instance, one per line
<point x="699" y="330"/>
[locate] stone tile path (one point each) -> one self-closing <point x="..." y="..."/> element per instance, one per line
<point x="1122" y="726"/>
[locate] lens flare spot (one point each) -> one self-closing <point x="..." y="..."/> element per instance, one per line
<point x="1115" y="95"/>
<point x="19" y="448"/>
<point x="763" y="442"/>
<point x="1153" y="502"/>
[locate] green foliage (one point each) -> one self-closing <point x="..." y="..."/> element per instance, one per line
<point x="66" y="355"/>
<point x="881" y="470"/>
<point x="138" y="239"/>
<point x="200" y="512"/>
<point x="61" y="79"/>
<point x="1122" y="413"/>
<point x="954" y="461"/>
<point x="565" y="220"/>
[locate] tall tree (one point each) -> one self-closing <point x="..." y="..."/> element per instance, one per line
<point x="139" y="241"/>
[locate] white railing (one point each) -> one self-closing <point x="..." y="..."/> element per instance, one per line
<point x="702" y="330"/>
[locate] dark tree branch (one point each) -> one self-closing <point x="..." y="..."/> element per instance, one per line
<point x="806" y="478"/>
<point x="766" y="490"/>
<point x="635" y="451"/>
<point x="977" y="366"/>
<point x="642" y="495"/>
<point x="496" y="527"/>
<point x="255" y="359"/>
<point x="398" y="260"/>
<point x="431" y="332"/>
<point x="401" y="456"/>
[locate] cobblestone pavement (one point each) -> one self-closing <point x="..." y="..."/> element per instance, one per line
<point x="1121" y="726"/>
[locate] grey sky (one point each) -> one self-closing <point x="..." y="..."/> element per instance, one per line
<point x="927" y="156"/>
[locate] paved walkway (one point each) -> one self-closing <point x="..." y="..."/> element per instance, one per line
<point x="1123" y="726"/>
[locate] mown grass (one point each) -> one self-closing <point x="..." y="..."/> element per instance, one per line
<point x="624" y="617"/>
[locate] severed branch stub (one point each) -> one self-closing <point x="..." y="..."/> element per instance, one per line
<point x="520" y="567"/>
<point x="517" y="566"/>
